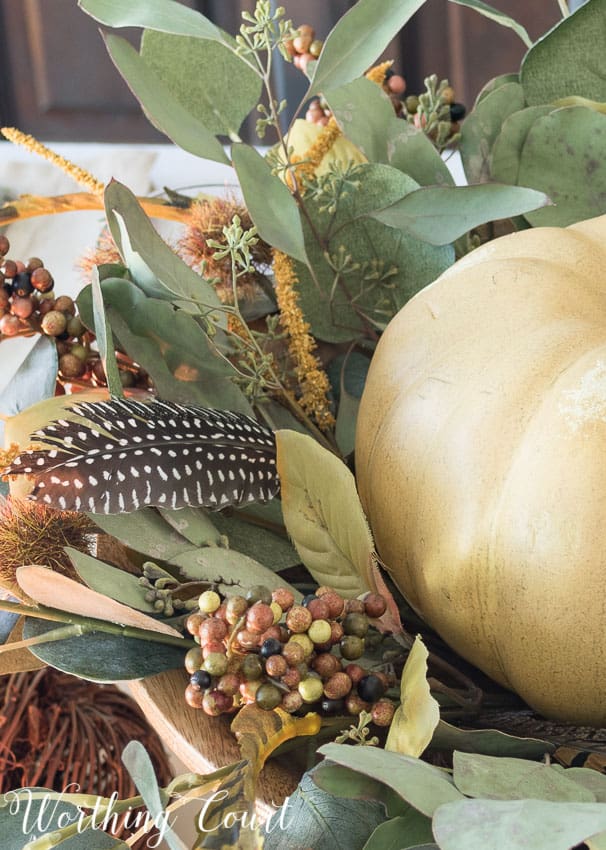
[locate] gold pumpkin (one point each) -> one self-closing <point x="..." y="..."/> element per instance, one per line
<point x="481" y="462"/>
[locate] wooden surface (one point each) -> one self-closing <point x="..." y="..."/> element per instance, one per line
<point x="204" y="743"/>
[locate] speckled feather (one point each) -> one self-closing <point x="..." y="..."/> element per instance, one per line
<point x="129" y="454"/>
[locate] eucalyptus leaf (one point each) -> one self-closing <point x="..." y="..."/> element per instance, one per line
<point x="26" y="813"/>
<point x="365" y="115"/>
<point x="271" y="206"/>
<point x="102" y="657"/>
<point x="29" y="372"/>
<point x="273" y="550"/>
<point x="401" y="833"/>
<point x="145" y="531"/>
<point x="347" y="416"/>
<point x="105" y="339"/>
<point x="490" y="742"/>
<point x="386" y="267"/>
<point x="319" y="820"/>
<point x="323" y="514"/>
<point x="162" y="15"/>
<point x="570" y="59"/>
<point x="482" y="126"/>
<point x="501" y="778"/>
<point x="171" y="345"/>
<point x="343" y="782"/>
<point x="588" y="778"/>
<point x="440" y="215"/>
<point x="508" y="146"/>
<point x="563" y="157"/>
<point x="226" y="568"/>
<point x="162" y="110"/>
<point x="420" y="784"/>
<point x="147" y="248"/>
<point x="194" y="524"/>
<point x="357" y="39"/>
<point x="499" y="17"/>
<point x="516" y="824"/>
<point x="494" y="84"/>
<point x="139" y="765"/>
<point x="104" y="578"/>
<point x="202" y="90"/>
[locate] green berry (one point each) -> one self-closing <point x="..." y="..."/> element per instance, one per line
<point x="320" y="631"/>
<point x="352" y="647"/>
<point x="311" y="689"/>
<point x="268" y="696"/>
<point x="215" y="664"/>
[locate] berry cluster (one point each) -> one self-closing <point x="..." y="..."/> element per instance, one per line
<point x="29" y="306"/>
<point x="304" y="47"/>
<point x="263" y="648"/>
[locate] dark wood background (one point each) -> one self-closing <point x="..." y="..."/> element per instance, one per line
<point x="57" y="82"/>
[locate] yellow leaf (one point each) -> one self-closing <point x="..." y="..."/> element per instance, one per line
<point x="54" y="590"/>
<point x="21" y="660"/>
<point x="418" y="715"/>
<point x="323" y="514"/>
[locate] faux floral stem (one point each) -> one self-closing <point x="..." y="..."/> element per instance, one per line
<point x="89" y="624"/>
<point x="563" y="4"/>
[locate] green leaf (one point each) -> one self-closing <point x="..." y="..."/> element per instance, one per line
<point x="366" y="117"/>
<point x="387" y="266"/>
<point x="508" y="146"/>
<point x="273" y="550"/>
<point x="117" y="584"/>
<point x="170" y="345"/>
<point x="516" y="824"/>
<point x="105" y="339"/>
<point x="347" y="375"/>
<point x="141" y="770"/>
<point x="343" y="782"/>
<point x="563" y="156"/>
<point x="323" y="514"/>
<point x="101" y="657"/>
<point x="194" y="524"/>
<point x="490" y="742"/>
<point x="319" y="820"/>
<point x="401" y="833"/>
<point x="145" y="531"/>
<point x="439" y="215"/>
<point x="155" y="267"/>
<point x="161" y="109"/>
<point x="499" y="778"/>
<point x="272" y="208"/>
<point x="29" y="812"/>
<point x="227" y="568"/>
<point x="483" y="125"/>
<point x="499" y="17"/>
<point x="494" y="84"/>
<point x="357" y="39"/>
<point x="163" y="15"/>
<point x="201" y="91"/>
<point x="420" y="784"/>
<point x="570" y="59"/>
<point x="590" y="779"/>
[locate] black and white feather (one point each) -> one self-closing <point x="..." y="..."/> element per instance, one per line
<point x="121" y="455"/>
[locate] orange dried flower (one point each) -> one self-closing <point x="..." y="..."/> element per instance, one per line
<point x="205" y="223"/>
<point x="105" y="251"/>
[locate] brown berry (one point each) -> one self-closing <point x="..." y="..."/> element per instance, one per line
<point x="354" y="704"/>
<point x="229" y="683"/>
<point x="374" y="605"/>
<point x="318" y="609"/>
<point x="355" y="672"/>
<point x="194" y="697"/>
<point x="338" y="686"/>
<point x="335" y="603"/>
<point x="326" y="664"/>
<point x="284" y="597"/>
<point x="291" y="678"/>
<point x="294" y="653"/>
<point x="396" y="84"/>
<point x="42" y="280"/>
<point x="9" y="325"/>
<point x="292" y="702"/>
<point x="45" y="305"/>
<point x="216" y="702"/>
<point x="71" y="366"/>
<point x="9" y="268"/>
<point x="259" y="618"/>
<point x="193" y="623"/>
<point x="33" y="263"/>
<point x="235" y="607"/>
<point x="5" y="245"/>
<point x="65" y="304"/>
<point x="193" y="659"/>
<point x="276" y="666"/>
<point x="248" y="640"/>
<point x="212" y="629"/>
<point x="302" y="43"/>
<point x="354" y="606"/>
<point x="212" y="646"/>
<point x="23" y="307"/>
<point x="383" y="711"/>
<point x="298" y="619"/>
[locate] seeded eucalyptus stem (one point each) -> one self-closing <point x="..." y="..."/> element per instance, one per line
<point x="87" y="625"/>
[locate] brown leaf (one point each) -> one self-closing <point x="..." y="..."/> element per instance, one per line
<point x="53" y="590"/>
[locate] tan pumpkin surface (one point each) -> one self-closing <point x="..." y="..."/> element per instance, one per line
<point x="481" y="462"/>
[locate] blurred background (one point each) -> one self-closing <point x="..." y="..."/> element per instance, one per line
<point x="57" y="82"/>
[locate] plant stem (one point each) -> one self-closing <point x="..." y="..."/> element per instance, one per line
<point x="90" y="624"/>
<point x="563" y="4"/>
<point x="61" y="633"/>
